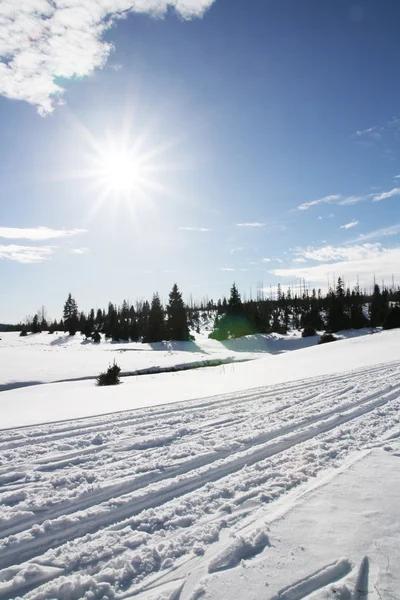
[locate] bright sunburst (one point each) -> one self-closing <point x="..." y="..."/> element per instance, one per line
<point x="118" y="171"/>
<point x="128" y="168"/>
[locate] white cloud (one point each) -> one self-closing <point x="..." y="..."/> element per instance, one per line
<point x="37" y="234"/>
<point x="26" y="254"/>
<point x="385" y="195"/>
<point x="350" y="200"/>
<point x="378" y="233"/>
<point x="372" y="132"/>
<point x="350" y="225"/>
<point x="254" y="224"/>
<point x="266" y="260"/>
<point x="226" y="269"/>
<point x="43" y="42"/>
<point x="331" y="253"/>
<point x="362" y="262"/>
<point x="330" y="216"/>
<point x="202" y="229"/>
<point x="324" y="200"/>
<point x="299" y="260"/>
<point x="78" y="251"/>
<point x="361" y="132"/>
<point x="397" y="176"/>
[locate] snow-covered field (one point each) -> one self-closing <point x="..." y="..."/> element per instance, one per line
<point x="44" y="358"/>
<point x="274" y="480"/>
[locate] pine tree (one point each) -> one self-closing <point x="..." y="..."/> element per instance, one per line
<point x="156" y="326"/>
<point x="36" y="324"/>
<point x="91" y="319"/>
<point x="99" y="319"/>
<point x="379" y="307"/>
<point x="177" y="324"/>
<point x="70" y="315"/>
<point x="235" y="306"/>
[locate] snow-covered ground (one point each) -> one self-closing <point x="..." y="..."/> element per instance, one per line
<point x="44" y="358"/>
<point x="276" y="488"/>
<point x="76" y="399"/>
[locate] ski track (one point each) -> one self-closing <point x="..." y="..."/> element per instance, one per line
<point x="123" y="497"/>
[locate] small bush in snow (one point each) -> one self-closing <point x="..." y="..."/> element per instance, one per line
<point x="326" y="338"/>
<point x="23" y="333"/>
<point x="111" y="376"/>
<point x="308" y="332"/>
<point x="96" y="337"/>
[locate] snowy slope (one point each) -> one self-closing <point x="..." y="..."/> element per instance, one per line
<point x="46" y="403"/>
<point x="192" y="500"/>
<point x="44" y="358"/>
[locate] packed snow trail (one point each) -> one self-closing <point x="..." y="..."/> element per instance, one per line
<point x="108" y="505"/>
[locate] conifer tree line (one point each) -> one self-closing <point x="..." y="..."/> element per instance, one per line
<point x="148" y="322"/>
<point x="340" y="308"/>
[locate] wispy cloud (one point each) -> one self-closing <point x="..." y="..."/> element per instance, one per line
<point x="78" y="251"/>
<point x="324" y="200"/>
<point x="378" y="233"/>
<point x="373" y="133"/>
<point x="350" y="225"/>
<point x="252" y="224"/>
<point x="266" y="260"/>
<point x="201" y="229"/>
<point x="334" y="253"/>
<point x="360" y="262"/>
<point x="37" y="234"/>
<point x="350" y="200"/>
<point x="385" y="195"/>
<point x="43" y="42"/>
<point x="397" y="176"/>
<point x="372" y="136"/>
<point x="26" y="254"/>
<point x="226" y="269"/>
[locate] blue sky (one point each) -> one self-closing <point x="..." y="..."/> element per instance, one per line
<point x="196" y="141"/>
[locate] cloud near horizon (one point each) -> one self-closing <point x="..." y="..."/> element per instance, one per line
<point x="43" y="42"/>
<point x="253" y="224"/>
<point x="37" y="234"/>
<point x="78" y="251"/>
<point x="362" y="262"/>
<point x="26" y="254"/>
<point x="201" y="229"/>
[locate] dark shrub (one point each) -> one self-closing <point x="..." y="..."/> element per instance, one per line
<point x="23" y="333"/>
<point x="96" y="337"/>
<point x="308" y="332"/>
<point x="392" y="320"/>
<point x="111" y="376"/>
<point x="326" y="338"/>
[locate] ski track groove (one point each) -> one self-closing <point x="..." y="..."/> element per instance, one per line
<point x="157" y="433"/>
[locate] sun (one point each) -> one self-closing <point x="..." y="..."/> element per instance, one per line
<point x="127" y="168"/>
<point x="119" y="172"/>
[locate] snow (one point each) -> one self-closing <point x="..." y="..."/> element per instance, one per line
<point x="44" y="358"/>
<point x="61" y="401"/>
<point x="276" y="478"/>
